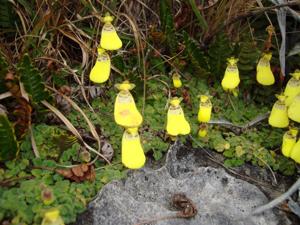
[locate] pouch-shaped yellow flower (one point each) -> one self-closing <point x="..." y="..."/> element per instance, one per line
<point x="231" y="77"/>
<point x="288" y="141"/>
<point x="176" y="80"/>
<point x="295" y="154"/>
<point x="294" y="109"/>
<point x="125" y="112"/>
<point x="176" y="122"/>
<point x="109" y="37"/>
<point x="101" y="70"/>
<point x="52" y="217"/>
<point x="202" y="131"/>
<point x="292" y="87"/>
<point x="279" y="116"/>
<point x="133" y="156"/>
<point x="205" y="107"/>
<point x="264" y="74"/>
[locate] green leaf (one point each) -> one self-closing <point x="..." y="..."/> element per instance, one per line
<point x="167" y="24"/>
<point x="286" y="166"/>
<point x="196" y="55"/>
<point x="202" y="22"/>
<point x="28" y="6"/>
<point x="32" y="80"/>
<point x="157" y="155"/>
<point x="9" y="147"/>
<point x="233" y="162"/>
<point x="8" y="16"/>
<point x="248" y="56"/>
<point x="218" y="52"/>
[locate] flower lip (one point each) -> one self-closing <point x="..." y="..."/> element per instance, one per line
<point x="125" y="86"/>
<point x="176" y="76"/>
<point x="281" y="97"/>
<point x="296" y="74"/>
<point x="108" y="19"/>
<point x="293" y="131"/>
<point x="132" y="130"/>
<point x="267" y="55"/>
<point x="204" y="98"/>
<point x="100" y="50"/>
<point x="175" y="101"/>
<point x="232" y="61"/>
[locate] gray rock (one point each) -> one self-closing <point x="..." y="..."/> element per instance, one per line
<point x="220" y="198"/>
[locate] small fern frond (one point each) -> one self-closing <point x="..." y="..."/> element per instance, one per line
<point x="32" y="80"/>
<point x="195" y="54"/>
<point x="218" y="52"/>
<point x="9" y="147"/>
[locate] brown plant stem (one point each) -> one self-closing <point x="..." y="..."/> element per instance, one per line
<point x="7" y="182"/>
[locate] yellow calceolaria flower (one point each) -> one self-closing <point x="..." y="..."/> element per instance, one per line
<point x="205" y="107"/>
<point x="295" y="154"/>
<point x="125" y="112"/>
<point x="176" y="80"/>
<point x="294" y="109"/>
<point x="231" y="78"/>
<point x="288" y="141"/>
<point x="292" y="88"/>
<point x="101" y="70"/>
<point x="176" y="122"/>
<point x="264" y="74"/>
<point x="109" y="37"/>
<point x="279" y="116"/>
<point x="52" y="217"/>
<point x="133" y="156"/>
<point x="203" y="130"/>
<point x="47" y="196"/>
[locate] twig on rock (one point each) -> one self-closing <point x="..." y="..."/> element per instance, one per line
<point x="187" y="209"/>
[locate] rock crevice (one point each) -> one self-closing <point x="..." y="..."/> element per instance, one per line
<point x="145" y="195"/>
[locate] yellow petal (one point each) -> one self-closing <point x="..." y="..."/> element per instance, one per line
<point x="172" y="123"/>
<point x="133" y="156"/>
<point x="204" y="113"/>
<point x="107" y="18"/>
<point x="101" y="70"/>
<point x="294" y="109"/>
<point x="202" y="132"/>
<point x="291" y="90"/>
<point x="288" y="142"/>
<point x="176" y="122"/>
<point x="204" y="98"/>
<point x="294" y="131"/>
<point x="232" y="61"/>
<point x="52" y="217"/>
<point x="231" y="78"/>
<point x="176" y="80"/>
<point x="279" y="116"/>
<point x="295" y="154"/>
<point x="296" y="74"/>
<point x="175" y="101"/>
<point x="185" y="126"/>
<point x="264" y="74"/>
<point x="125" y="111"/>
<point x="125" y="86"/>
<point x="109" y="38"/>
